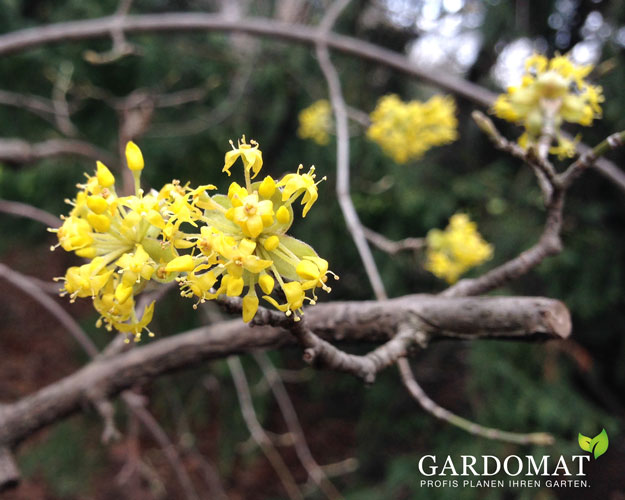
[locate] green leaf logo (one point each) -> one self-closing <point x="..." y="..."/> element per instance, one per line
<point x="597" y="445"/>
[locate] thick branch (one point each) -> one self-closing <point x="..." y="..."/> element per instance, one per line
<point x="194" y="21"/>
<point x="358" y="322"/>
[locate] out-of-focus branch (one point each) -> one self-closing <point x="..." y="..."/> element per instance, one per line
<point x="9" y="473"/>
<point x="213" y="117"/>
<point x="538" y="438"/>
<point x="393" y="247"/>
<point x="22" y="152"/>
<point x="168" y="448"/>
<point x="315" y="472"/>
<point x="591" y="157"/>
<point x="24" y="283"/>
<point x="258" y="433"/>
<point x="30" y="212"/>
<point x="183" y="22"/>
<point x="62" y="113"/>
<point x="99" y="401"/>
<point x="40" y="106"/>
<point x="342" y="150"/>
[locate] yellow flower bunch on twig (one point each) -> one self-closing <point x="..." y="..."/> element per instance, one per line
<point x="552" y="91"/>
<point x="458" y="248"/>
<point x="221" y="245"/>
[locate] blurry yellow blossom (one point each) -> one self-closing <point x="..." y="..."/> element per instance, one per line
<point x="315" y="122"/>
<point x="406" y="130"/>
<point x="553" y="90"/>
<point x="458" y="248"/>
<point x="211" y="245"/>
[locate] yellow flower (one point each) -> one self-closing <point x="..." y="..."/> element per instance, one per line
<point x="241" y="257"/>
<point x="74" y="234"/>
<point x="253" y="215"/>
<point x="406" y="130"/>
<point x="294" y="294"/>
<point x="249" y="153"/>
<point x="458" y="248"/>
<point x="315" y="122"/>
<point x="230" y="244"/>
<point x="296" y="184"/>
<point x="553" y="90"/>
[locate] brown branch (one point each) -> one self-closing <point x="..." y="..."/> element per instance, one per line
<point x="591" y="157"/>
<point x="393" y="247"/>
<point x="30" y="212"/>
<point x="9" y="473"/>
<point x="258" y="433"/>
<point x="339" y="108"/>
<point x="28" y="287"/>
<point x="315" y="472"/>
<point x="21" y="152"/>
<point x="184" y="22"/>
<point x="359" y="322"/>
<point x="322" y="353"/>
<point x="169" y="450"/>
<point x="539" y="438"/>
<point x="37" y="105"/>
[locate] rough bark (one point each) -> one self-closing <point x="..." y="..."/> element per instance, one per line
<point x="523" y="318"/>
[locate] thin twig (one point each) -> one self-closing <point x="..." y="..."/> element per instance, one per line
<point x="258" y="433"/>
<point x="170" y="22"/>
<point x="22" y="152"/>
<point x="315" y="472"/>
<point x="30" y="212"/>
<point x="168" y="448"/>
<point x="62" y="85"/>
<point x="393" y="247"/>
<point x="342" y="149"/>
<point x="590" y="157"/>
<point x="539" y="438"/>
<point x="24" y="283"/>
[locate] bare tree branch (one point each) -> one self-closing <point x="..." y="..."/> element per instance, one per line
<point x="97" y="28"/>
<point x="374" y="321"/>
<point x="30" y="212"/>
<point x="315" y="472"/>
<point x="342" y="150"/>
<point x="9" y="473"/>
<point x="21" y="152"/>
<point x="40" y="106"/>
<point x="24" y="283"/>
<point x="258" y="433"/>
<point x="393" y="247"/>
<point x="538" y="438"/>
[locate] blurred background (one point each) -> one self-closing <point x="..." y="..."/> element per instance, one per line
<point x="182" y="97"/>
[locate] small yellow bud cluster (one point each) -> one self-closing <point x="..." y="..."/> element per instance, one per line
<point x="228" y="243"/>
<point x="551" y="90"/>
<point x="457" y="249"/>
<point x="406" y="130"/>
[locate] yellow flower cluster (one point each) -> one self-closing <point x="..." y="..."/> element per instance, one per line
<point x="457" y="249"/>
<point x="315" y="122"/>
<point x="212" y="245"/>
<point x="551" y="89"/>
<point x="406" y="130"/>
